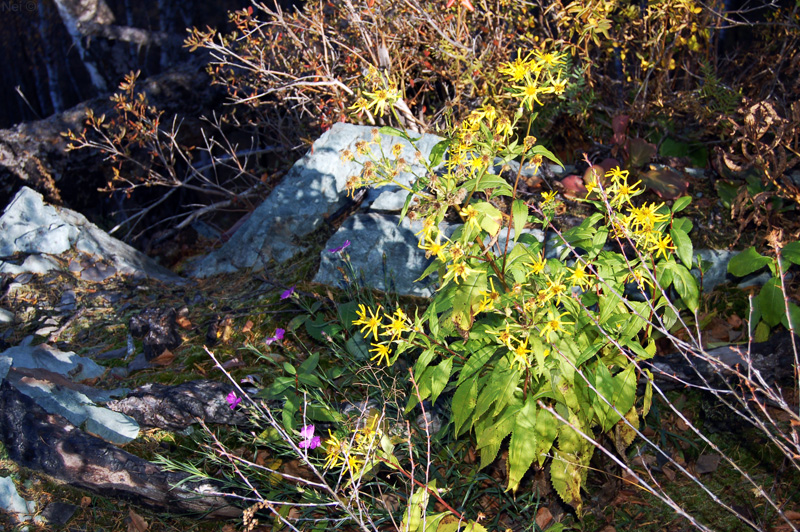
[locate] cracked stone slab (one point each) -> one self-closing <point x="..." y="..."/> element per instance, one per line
<point x="35" y="229"/>
<point x="312" y="190"/>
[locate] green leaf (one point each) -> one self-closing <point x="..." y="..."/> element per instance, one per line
<point x="499" y="389"/>
<point x="545" y="433"/>
<point x="464" y="401"/>
<point x="437" y="152"/>
<point x="771" y="302"/>
<point x="566" y="478"/>
<point x="794" y="313"/>
<point x="476" y="362"/>
<point x="490" y="217"/>
<point x="485" y="182"/>
<point x="519" y="213"/>
<point x="440" y="377"/>
<point x="686" y="286"/>
<point x="683" y="246"/>
<point x="310" y="364"/>
<point x="681" y="203"/>
<point x="541" y="150"/>
<point x="522" y="448"/>
<point x="747" y="262"/>
<point x="394" y="132"/>
<point x="648" y="393"/>
<point x="619" y="390"/>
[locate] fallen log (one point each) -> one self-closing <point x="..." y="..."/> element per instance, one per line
<point x="177" y="407"/>
<point x="773" y="360"/>
<point x="49" y="444"/>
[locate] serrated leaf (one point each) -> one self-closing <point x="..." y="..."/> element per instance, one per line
<point x="683" y="245"/>
<point x="747" y="262"/>
<point x="522" y="448"/>
<point x="546" y="431"/>
<point x="625" y="434"/>
<point x="566" y="478"/>
<point x="519" y="213"/>
<point x="791" y="252"/>
<point x="476" y="362"/>
<point x="464" y="401"/>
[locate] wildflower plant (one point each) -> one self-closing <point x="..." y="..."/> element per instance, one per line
<point x="523" y="338"/>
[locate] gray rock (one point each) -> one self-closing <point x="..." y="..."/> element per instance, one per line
<point x="313" y="189"/>
<point x="5" y="365"/>
<point x="52" y="359"/>
<point x="34" y="228"/>
<point x="373" y="237"/>
<point x="11" y="502"/>
<point x="6" y="316"/>
<point x="59" y="513"/>
<point x="111" y="426"/>
<point x="717" y="273"/>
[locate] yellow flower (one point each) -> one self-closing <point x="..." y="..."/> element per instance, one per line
<point x="504" y="337"/>
<point x="382" y="99"/>
<point x="530" y="92"/>
<point x="521" y="353"/>
<point x="548" y="197"/>
<point x="517" y="69"/>
<point x="381" y="353"/>
<point x="538" y="264"/>
<point x="456" y="270"/>
<point x="646" y="217"/>
<point x="503" y="127"/>
<point x="370" y="324"/>
<point x="550" y="59"/>
<point x="554" y="324"/>
<point x="397" y="325"/>
<point x="579" y="275"/>
<point x="433" y="247"/>
<point x="360" y="106"/>
<point x="638" y="276"/>
<point x="335" y="449"/>
<point x="487" y="303"/>
<point x="556" y="288"/>
<point x="662" y="245"/>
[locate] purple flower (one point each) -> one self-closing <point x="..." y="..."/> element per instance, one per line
<point x="233" y="400"/>
<point x="278" y="336"/>
<point x="309" y="440"/>
<point x="286" y="294"/>
<point x="340" y="248"/>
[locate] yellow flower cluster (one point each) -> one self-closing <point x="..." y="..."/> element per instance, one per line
<point x="382" y="96"/>
<point x="392" y="327"/>
<point x="538" y="73"/>
<point x="351" y="454"/>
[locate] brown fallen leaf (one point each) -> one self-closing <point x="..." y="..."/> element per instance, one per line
<point x="183" y="322"/>
<point x="86" y="502"/>
<point x="136" y="522"/>
<point x="707" y="463"/>
<point x="164" y="359"/>
<point x="792" y="515"/>
<point x="543" y="517"/>
<point x="247" y="326"/>
<point x="668" y="472"/>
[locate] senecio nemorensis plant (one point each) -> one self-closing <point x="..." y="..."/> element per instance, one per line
<point x="542" y="349"/>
